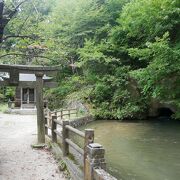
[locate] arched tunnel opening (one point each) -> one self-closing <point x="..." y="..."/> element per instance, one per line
<point x="165" y="112"/>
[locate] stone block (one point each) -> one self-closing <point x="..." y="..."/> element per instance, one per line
<point x="101" y="174"/>
<point x="95" y="151"/>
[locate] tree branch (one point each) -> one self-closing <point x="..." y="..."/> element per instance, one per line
<point x="16" y="9"/>
<point x="4" y="20"/>
<point x="23" y="24"/>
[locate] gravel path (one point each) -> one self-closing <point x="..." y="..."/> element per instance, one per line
<point x="18" y="161"/>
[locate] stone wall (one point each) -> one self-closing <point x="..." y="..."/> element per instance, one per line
<point x="101" y="174"/>
<point x="155" y="105"/>
<point x="78" y="122"/>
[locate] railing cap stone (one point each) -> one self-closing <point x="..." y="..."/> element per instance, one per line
<point x="95" y="145"/>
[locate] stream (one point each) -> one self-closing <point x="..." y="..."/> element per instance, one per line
<point x="140" y="150"/>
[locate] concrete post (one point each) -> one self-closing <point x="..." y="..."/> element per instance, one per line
<point x="45" y="122"/>
<point x="54" y="127"/>
<point x="40" y="107"/>
<point x="9" y="104"/>
<point x="89" y="138"/>
<point x="95" y="159"/>
<point x="65" y="146"/>
<point x="61" y="114"/>
<point x="46" y="104"/>
<point x="76" y="112"/>
<point x="69" y="113"/>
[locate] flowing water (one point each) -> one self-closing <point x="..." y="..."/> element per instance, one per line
<point x="144" y="150"/>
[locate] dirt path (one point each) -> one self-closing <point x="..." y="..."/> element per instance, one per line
<point x="18" y="161"/>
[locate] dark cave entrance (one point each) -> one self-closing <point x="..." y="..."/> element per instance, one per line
<point x="165" y="112"/>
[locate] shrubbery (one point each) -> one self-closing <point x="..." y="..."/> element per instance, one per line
<point x="104" y="47"/>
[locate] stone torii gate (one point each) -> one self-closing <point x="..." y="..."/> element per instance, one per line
<point x="39" y="71"/>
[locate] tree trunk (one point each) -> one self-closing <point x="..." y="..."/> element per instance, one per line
<point x="6" y="17"/>
<point x="1" y="19"/>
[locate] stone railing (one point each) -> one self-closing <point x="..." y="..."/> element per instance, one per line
<point x="94" y="165"/>
<point x="65" y="113"/>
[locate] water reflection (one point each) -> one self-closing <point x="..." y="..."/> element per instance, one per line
<point x="140" y="150"/>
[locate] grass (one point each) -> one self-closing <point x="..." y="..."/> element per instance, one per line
<point x="3" y="107"/>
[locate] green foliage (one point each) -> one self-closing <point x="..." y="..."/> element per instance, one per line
<point x="7" y="93"/>
<point x="115" y="55"/>
<point x="142" y="21"/>
<point x="162" y="75"/>
<point x="2" y="97"/>
<point x="10" y="93"/>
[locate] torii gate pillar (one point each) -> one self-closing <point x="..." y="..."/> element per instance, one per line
<point x="40" y="108"/>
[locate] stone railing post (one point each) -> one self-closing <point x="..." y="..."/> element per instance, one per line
<point x="76" y="112"/>
<point x="95" y="159"/>
<point x="9" y="104"/>
<point x="65" y="134"/>
<point x="46" y="104"/>
<point x="54" y="127"/>
<point x="69" y="114"/>
<point x="61" y="114"/>
<point x="89" y="138"/>
<point x="46" y="122"/>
